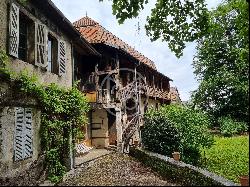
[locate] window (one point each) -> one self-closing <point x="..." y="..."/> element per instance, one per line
<point x="26" y="39"/>
<point x="52" y="55"/>
<point x="23" y="134"/>
<point x="30" y="42"/>
<point x="21" y="35"/>
<point x="23" y="30"/>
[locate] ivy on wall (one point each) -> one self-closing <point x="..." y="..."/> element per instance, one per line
<point x="63" y="115"/>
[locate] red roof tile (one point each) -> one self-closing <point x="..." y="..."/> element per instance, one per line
<point x="93" y="32"/>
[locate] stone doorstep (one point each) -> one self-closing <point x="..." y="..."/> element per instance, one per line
<point x="93" y="154"/>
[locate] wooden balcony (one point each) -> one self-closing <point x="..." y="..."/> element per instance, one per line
<point x="157" y="93"/>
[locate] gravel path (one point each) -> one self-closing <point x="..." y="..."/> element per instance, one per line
<point x="114" y="169"/>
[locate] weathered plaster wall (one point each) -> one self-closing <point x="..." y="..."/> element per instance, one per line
<point x="18" y="65"/>
<point x="3" y="24"/>
<point x="100" y="137"/>
<point x="8" y="166"/>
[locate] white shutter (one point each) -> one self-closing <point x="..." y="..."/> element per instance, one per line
<point x="18" y="142"/>
<point x="23" y="134"/>
<point x="62" y="57"/>
<point x="14" y="30"/>
<point x="28" y="150"/>
<point x="41" y="45"/>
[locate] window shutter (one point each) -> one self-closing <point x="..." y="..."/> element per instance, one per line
<point x="14" y="30"/>
<point x="62" y="57"/>
<point x="28" y="133"/>
<point x="23" y="134"/>
<point x="41" y="45"/>
<point x="18" y="142"/>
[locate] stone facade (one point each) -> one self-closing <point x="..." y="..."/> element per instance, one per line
<point x="8" y="166"/>
<point x="18" y="65"/>
<point x="42" y="23"/>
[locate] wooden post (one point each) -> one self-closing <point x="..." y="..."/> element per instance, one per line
<point x="119" y="130"/>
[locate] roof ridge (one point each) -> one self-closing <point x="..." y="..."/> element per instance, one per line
<point x="123" y="45"/>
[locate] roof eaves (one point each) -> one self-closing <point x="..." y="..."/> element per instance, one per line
<point x="83" y="41"/>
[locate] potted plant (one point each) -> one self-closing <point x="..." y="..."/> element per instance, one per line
<point x="244" y="180"/>
<point x="176" y="155"/>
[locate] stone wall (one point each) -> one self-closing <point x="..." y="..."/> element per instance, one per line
<point x="3" y="23"/>
<point x="179" y="172"/>
<point x="8" y="166"/>
<point x="26" y="171"/>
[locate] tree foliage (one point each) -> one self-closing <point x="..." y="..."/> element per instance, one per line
<point x="222" y="62"/>
<point x="175" y="22"/>
<point x="159" y="134"/>
<point x="176" y="128"/>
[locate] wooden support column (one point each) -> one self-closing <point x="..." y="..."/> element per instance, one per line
<point x="119" y="129"/>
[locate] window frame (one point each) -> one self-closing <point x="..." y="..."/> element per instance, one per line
<point x="54" y="53"/>
<point x="30" y="36"/>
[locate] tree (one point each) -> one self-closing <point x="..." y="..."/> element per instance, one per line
<point x="222" y="62"/>
<point x="173" y="21"/>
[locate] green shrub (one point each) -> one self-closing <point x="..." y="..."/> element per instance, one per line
<point x="229" y="127"/>
<point x="192" y="128"/>
<point x="228" y="157"/>
<point x="159" y="134"/>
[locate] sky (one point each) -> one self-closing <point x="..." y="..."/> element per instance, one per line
<point x="179" y="70"/>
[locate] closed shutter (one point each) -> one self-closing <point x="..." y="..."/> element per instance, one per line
<point x="23" y="134"/>
<point x="28" y="133"/>
<point x="41" y="45"/>
<point x="14" y="30"/>
<point x="18" y="142"/>
<point x="62" y="57"/>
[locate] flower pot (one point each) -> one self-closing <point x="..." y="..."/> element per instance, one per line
<point x="176" y="156"/>
<point x="244" y="180"/>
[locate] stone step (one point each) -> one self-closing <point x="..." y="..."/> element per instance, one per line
<point x="112" y="147"/>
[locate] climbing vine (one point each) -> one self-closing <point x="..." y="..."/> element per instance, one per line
<point x="63" y="114"/>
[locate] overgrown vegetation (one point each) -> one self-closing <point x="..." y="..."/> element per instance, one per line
<point x="228" y="157"/>
<point x="63" y="114"/>
<point x="229" y="127"/>
<point x="192" y="132"/>
<point x="159" y="134"/>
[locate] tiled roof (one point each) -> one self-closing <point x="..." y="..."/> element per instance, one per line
<point x="95" y="33"/>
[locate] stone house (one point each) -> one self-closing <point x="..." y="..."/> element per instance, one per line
<point x="39" y="38"/>
<point x="120" y="86"/>
<point x="120" y="83"/>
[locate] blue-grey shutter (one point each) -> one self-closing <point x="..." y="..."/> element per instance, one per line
<point x="18" y="142"/>
<point x="62" y="57"/>
<point x="28" y="133"/>
<point x="14" y="30"/>
<point x="23" y="134"/>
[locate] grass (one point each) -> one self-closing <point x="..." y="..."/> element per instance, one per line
<point x="228" y="157"/>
